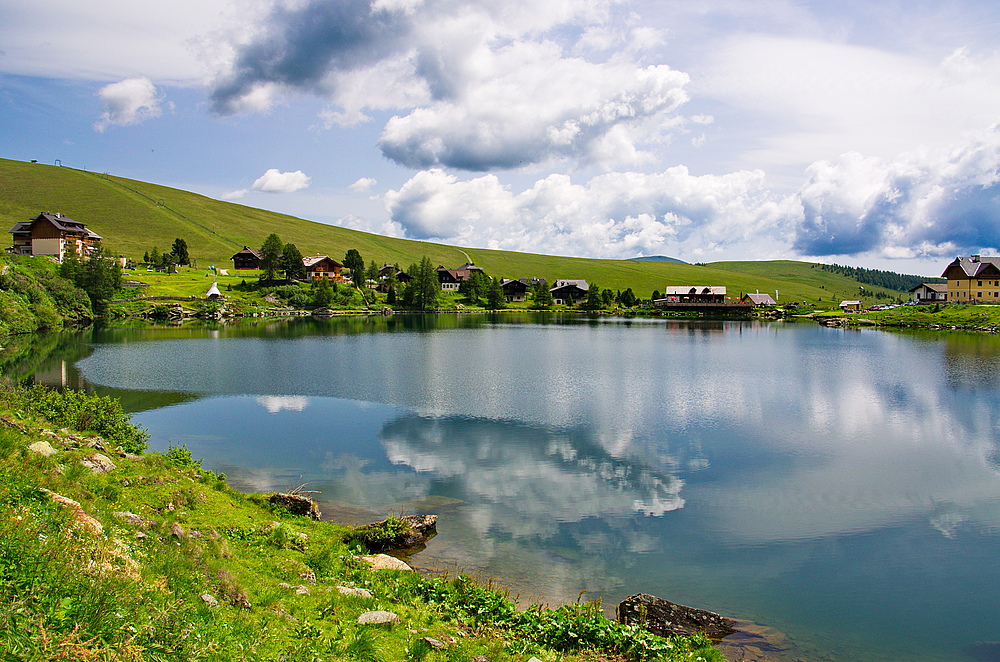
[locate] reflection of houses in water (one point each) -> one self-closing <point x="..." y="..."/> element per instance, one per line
<point x="59" y="374"/>
<point x="971" y="359"/>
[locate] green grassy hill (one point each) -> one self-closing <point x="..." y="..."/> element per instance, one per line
<point x="134" y="216"/>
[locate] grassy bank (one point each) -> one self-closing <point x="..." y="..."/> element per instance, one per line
<point x="108" y="553"/>
<point x="950" y="316"/>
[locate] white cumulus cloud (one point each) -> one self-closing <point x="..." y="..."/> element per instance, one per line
<point x="363" y="184"/>
<point x="127" y="102"/>
<point x="479" y="89"/>
<point x="274" y="181"/>
<point x="612" y="215"/>
<point x="925" y="203"/>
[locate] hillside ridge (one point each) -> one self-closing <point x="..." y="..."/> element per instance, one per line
<point x="134" y="216"/>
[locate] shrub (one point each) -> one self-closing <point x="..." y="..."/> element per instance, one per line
<point x="180" y="457"/>
<point x="80" y="411"/>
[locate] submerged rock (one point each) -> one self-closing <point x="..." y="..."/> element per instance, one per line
<point x="411" y="531"/>
<point x="665" y="618"/>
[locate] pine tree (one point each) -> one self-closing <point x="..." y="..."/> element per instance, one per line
<point x="541" y="295"/>
<point x="291" y="263"/>
<point x="594" y="300"/>
<point x="356" y="264"/>
<point x="180" y="251"/>
<point x="270" y="256"/>
<point x="423" y="290"/>
<point x="495" y="298"/>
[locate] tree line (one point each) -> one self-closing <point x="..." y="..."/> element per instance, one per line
<point x="887" y="279"/>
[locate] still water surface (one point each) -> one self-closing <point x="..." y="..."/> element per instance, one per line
<point x="841" y="487"/>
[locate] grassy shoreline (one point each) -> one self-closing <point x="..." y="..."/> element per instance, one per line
<point x="948" y="317"/>
<point x="111" y="554"/>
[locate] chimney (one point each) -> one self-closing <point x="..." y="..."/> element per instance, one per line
<point x="975" y="258"/>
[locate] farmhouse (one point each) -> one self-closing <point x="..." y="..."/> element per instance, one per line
<point x="451" y="279"/>
<point x="930" y="292"/>
<point x="517" y="290"/>
<point x="319" y="267"/>
<point x="568" y="292"/>
<point x="248" y="258"/>
<point x="973" y="279"/>
<point x="759" y="299"/>
<point x="54" y="235"/>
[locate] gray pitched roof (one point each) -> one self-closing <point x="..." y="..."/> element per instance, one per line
<point x="973" y="265"/>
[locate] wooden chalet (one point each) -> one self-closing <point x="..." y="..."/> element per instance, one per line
<point x="54" y="235"/>
<point x="930" y="293"/>
<point x="320" y="267"/>
<point x="759" y="299"/>
<point x="450" y="279"/>
<point x="517" y="290"/>
<point x="850" y="306"/>
<point x="568" y="292"/>
<point x="248" y="258"/>
<point x="973" y="279"/>
<point x="695" y="294"/>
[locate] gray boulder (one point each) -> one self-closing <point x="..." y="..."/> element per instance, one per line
<point x="378" y="618"/>
<point x="666" y="619"/>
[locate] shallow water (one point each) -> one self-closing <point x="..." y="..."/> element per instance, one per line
<point x="841" y="487"/>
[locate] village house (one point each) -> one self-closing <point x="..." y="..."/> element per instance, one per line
<point x="319" y="267"/>
<point x="759" y="299"/>
<point x="569" y="292"/>
<point x="930" y="293"/>
<point x="451" y="279"/>
<point x="973" y="279"/>
<point x="54" y="235"/>
<point x="248" y="258"/>
<point x="517" y="290"/>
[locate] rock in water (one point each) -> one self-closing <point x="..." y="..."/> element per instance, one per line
<point x="665" y="618"/>
<point x="296" y="504"/>
<point x="414" y="531"/>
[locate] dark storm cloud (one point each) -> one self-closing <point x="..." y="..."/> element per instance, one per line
<point x="301" y="46"/>
<point x="927" y="205"/>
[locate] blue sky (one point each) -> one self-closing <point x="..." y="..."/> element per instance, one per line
<point x="853" y="132"/>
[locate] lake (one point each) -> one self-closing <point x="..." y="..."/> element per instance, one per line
<point x="839" y="487"/>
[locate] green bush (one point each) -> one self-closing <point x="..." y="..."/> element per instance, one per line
<point x="180" y="457"/>
<point x="80" y="411"/>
